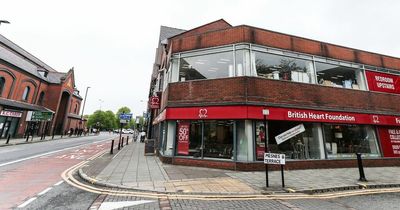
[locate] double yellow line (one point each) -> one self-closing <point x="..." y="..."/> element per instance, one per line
<point x="68" y="177"/>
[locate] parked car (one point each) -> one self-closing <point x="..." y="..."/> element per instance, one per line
<point x="130" y="131"/>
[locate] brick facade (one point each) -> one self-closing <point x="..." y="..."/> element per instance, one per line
<point x="17" y="79"/>
<point x="264" y="37"/>
<point x="257" y="91"/>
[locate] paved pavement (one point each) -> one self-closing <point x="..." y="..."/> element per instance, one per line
<point x="131" y="168"/>
<point x="35" y="139"/>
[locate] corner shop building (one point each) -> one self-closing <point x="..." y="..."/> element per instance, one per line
<point x="218" y="78"/>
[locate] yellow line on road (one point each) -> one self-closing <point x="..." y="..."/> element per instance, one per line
<point x="67" y="175"/>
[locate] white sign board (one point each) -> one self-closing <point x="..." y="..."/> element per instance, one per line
<point x="274" y="158"/>
<point x="289" y="133"/>
<point x="123" y="121"/>
<point x="265" y="111"/>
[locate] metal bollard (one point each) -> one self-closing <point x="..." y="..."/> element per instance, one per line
<point x="119" y="144"/>
<point x="52" y="135"/>
<point x="112" y="147"/>
<point x="127" y="139"/>
<point x="27" y="137"/>
<point x="122" y="142"/>
<point x="361" y="168"/>
<point x="8" y="138"/>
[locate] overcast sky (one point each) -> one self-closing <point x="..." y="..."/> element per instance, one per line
<point x="111" y="44"/>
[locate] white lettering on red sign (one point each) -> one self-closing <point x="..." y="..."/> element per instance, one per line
<point x="397" y="120"/>
<point x="384" y="82"/>
<point x="320" y="116"/>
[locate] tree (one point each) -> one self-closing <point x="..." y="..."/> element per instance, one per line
<point x="121" y="110"/>
<point x="102" y="120"/>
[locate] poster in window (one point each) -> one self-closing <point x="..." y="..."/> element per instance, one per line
<point x="382" y="82"/>
<point x="390" y="141"/>
<point x="183" y="138"/>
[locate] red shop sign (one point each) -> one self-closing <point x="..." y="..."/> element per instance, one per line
<point x="382" y="82"/>
<point x="390" y="141"/>
<point x="154" y="102"/>
<point x="255" y="112"/>
<point x="183" y="138"/>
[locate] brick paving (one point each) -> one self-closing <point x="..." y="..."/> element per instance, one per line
<point x="131" y="168"/>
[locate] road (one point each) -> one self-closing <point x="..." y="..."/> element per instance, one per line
<point x="30" y="178"/>
<point x="28" y="170"/>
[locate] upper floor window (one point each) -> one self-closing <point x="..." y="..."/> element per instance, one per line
<point x="76" y="108"/>
<point x="211" y="66"/>
<point x="25" y="96"/>
<point x="339" y="76"/>
<point x="2" y="85"/>
<point x="41" y="98"/>
<point x="283" y="68"/>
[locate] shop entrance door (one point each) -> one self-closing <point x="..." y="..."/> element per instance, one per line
<point x="5" y="129"/>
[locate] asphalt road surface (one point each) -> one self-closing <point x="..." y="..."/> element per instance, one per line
<point x="30" y="178"/>
<point x="28" y="170"/>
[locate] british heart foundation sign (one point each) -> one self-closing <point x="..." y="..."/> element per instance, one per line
<point x="154" y="102"/>
<point x="183" y="138"/>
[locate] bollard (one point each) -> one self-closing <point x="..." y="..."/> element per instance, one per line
<point x="122" y="142"/>
<point x="27" y="137"/>
<point x="119" y="144"/>
<point x="127" y="139"/>
<point x="52" y="135"/>
<point x="112" y="147"/>
<point x="361" y="168"/>
<point x="8" y="138"/>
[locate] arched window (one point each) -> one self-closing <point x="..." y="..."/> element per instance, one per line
<point x="2" y="84"/>
<point x="25" y="96"/>
<point x="76" y="108"/>
<point x="41" y="98"/>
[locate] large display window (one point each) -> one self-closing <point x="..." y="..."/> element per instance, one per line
<point x="283" y="68"/>
<point x="210" y="66"/>
<point x="205" y="139"/>
<point x="339" y="76"/>
<point x="305" y="145"/>
<point x="343" y="141"/>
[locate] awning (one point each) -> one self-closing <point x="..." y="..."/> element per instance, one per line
<point x="22" y="105"/>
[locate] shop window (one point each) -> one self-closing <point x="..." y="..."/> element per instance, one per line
<point x="338" y="76"/>
<point x="218" y="139"/>
<point x="343" y="141"/>
<point x="305" y="145"/>
<point x="25" y="95"/>
<point x="211" y="66"/>
<point x="212" y="139"/>
<point x="2" y="84"/>
<point x="283" y="68"/>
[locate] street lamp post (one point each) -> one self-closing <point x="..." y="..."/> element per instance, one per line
<point x="4" y="21"/>
<point x="84" y="103"/>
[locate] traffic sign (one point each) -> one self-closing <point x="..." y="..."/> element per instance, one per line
<point x="274" y="158"/>
<point x="125" y="116"/>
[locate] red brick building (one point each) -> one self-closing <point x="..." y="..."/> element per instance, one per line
<point x="29" y="84"/>
<point x="322" y="102"/>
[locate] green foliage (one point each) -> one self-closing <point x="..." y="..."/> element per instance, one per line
<point x="121" y="110"/>
<point x="102" y="120"/>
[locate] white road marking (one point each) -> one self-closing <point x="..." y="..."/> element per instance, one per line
<point x="58" y="183"/>
<point x="47" y="153"/>
<point x="45" y="191"/>
<point x="26" y="202"/>
<point x="121" y="204"/>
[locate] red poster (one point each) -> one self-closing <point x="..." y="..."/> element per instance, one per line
<point x="183" y="138"/>
<point x="390" y="141"/>
<point x="382" y="82"/>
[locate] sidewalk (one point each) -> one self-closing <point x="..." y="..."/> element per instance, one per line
<point x="36" y="139"/>
<point x="131" y="169"/>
